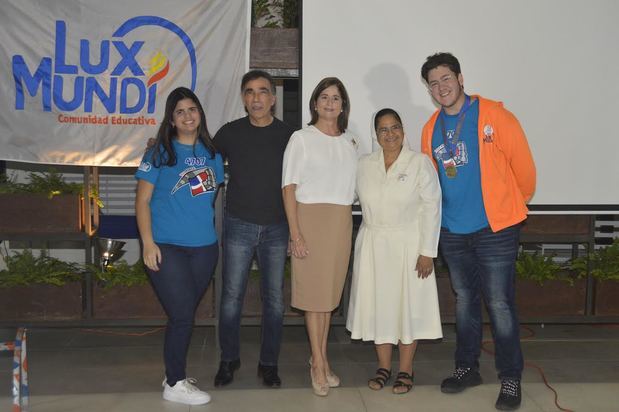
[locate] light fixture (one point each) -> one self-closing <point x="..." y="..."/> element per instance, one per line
<point x="110" y="250"/>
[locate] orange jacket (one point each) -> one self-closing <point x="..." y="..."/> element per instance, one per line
<point x="505" y="161"/>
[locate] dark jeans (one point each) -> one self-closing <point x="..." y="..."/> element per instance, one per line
<point x="183" y="276"/>
<point x="483" y="263"/>
<point x="242" y="240"/>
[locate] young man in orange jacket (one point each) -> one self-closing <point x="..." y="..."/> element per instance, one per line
<point x="487" y="175"/>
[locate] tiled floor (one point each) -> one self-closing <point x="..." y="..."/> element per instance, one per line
<point x="80" y="370"/>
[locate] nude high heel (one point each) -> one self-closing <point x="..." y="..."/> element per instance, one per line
<point x="320" y="389"/>
<point x="332" y="379"/>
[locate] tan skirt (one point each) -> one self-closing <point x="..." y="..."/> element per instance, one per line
<point x="318" y="279"/>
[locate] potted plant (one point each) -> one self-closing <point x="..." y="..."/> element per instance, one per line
<point x="39" y="287"/>
<point x="275" y="13"/>
<point x="45" y="204"/>
<point x="603" y="265"/>
<point x="546" y="288"/>
<point x="543" y="288"/>
<point x="123" y="291"/>
<point x="275" y="34"/>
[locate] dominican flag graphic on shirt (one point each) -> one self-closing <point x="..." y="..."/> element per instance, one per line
<point x="199" y="180"/>
<point x="460" y="155"/>
<point x="198" y="183"/>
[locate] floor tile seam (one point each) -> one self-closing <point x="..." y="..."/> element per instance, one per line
<point x="570" y="340"/>
<point x="157" y="342"/>
<point x="526" y="388"/>
<point x="35" y="348"/>
<point x="90" y="348"/>
<point x="357" y="388"/>
<point x="34" y="372"/>
<point x="33" y="398"/>
<point x="571" y="359"/>
<point x="360" y="394"/>
<point x="531" y="399"/>
<point x="549" y="394"/>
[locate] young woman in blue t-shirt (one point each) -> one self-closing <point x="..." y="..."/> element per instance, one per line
<point x="177" y="185"/>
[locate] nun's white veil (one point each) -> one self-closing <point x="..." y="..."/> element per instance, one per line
<point x="375" y="145"/>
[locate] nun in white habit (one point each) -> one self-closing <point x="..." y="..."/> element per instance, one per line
<point x="393" y="297"/>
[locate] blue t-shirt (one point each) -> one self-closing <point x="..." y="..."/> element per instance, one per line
<point x="463" y="205"/>
<point x="182" y="202"/>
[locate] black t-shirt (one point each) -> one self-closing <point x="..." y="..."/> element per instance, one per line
<point x="255" y="156"/>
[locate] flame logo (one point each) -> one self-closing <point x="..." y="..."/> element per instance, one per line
<point x="159" y="67"/>
<point x="140" y="21"/>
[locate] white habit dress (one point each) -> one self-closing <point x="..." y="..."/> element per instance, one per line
<point x="401" y="220"/>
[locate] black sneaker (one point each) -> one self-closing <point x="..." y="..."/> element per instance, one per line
<point x="510" y="395"/>
<point x="269" y="376"/>
<point x="225" y="374"/>
<point x="461" y="379"/>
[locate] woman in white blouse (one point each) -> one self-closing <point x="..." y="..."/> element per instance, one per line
<point x="318" y="187"/>
<point x="393" y="298"/>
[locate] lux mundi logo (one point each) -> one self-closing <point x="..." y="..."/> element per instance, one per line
<point x="126" y="90"/>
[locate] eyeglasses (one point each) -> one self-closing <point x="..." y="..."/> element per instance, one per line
<point x="433" y="85"/>
<point x="184" y="112"/>
<point x="384" y="131"/>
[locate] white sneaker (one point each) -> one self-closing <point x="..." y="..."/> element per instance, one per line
<point x="185" y="392"/>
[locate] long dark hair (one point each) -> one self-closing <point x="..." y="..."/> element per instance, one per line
<point x="342" y="119"/>
<point x="163" y="151"/>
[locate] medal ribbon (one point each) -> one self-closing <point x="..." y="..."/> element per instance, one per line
<point x="451" y="147"/>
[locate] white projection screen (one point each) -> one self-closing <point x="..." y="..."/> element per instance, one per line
<point x="553" y="63"/>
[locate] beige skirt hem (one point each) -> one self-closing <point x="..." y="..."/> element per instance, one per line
<point x="318" y="279"/>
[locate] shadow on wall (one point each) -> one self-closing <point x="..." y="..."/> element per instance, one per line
<point x="389" y="85"/>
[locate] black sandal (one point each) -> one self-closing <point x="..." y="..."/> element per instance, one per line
<point x="399" y="383"/>
<point x="382" y="377"/>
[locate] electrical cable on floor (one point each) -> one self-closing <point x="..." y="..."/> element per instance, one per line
<point x="109" y="332"/>
<point x="531" y="334"/>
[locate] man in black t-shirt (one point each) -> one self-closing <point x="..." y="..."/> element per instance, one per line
<point x="254" y="224"/>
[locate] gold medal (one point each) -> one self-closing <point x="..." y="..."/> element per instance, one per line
<point x="451" y="171"/>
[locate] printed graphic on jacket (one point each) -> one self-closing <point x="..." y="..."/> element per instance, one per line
<point x="199" y="180"/>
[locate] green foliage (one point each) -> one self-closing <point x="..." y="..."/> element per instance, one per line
<point x="539" y="268"/>
<point x="50" y="183"/>
<point x="7" y="184"/>
<point x="275" y="13"/>
<point x="23" y="269"/>
<point x="290" y="13"/>
<point x="604" y="263"/>
<point x="121" y="273"/>
<point x="261" y="10"/>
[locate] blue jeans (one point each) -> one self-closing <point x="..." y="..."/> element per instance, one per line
<point x="483" y="263"/>
<point x="183" y="277"/>
<point x="269" y="243"/>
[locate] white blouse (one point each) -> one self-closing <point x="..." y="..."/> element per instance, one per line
<point x="323" y="167"/>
